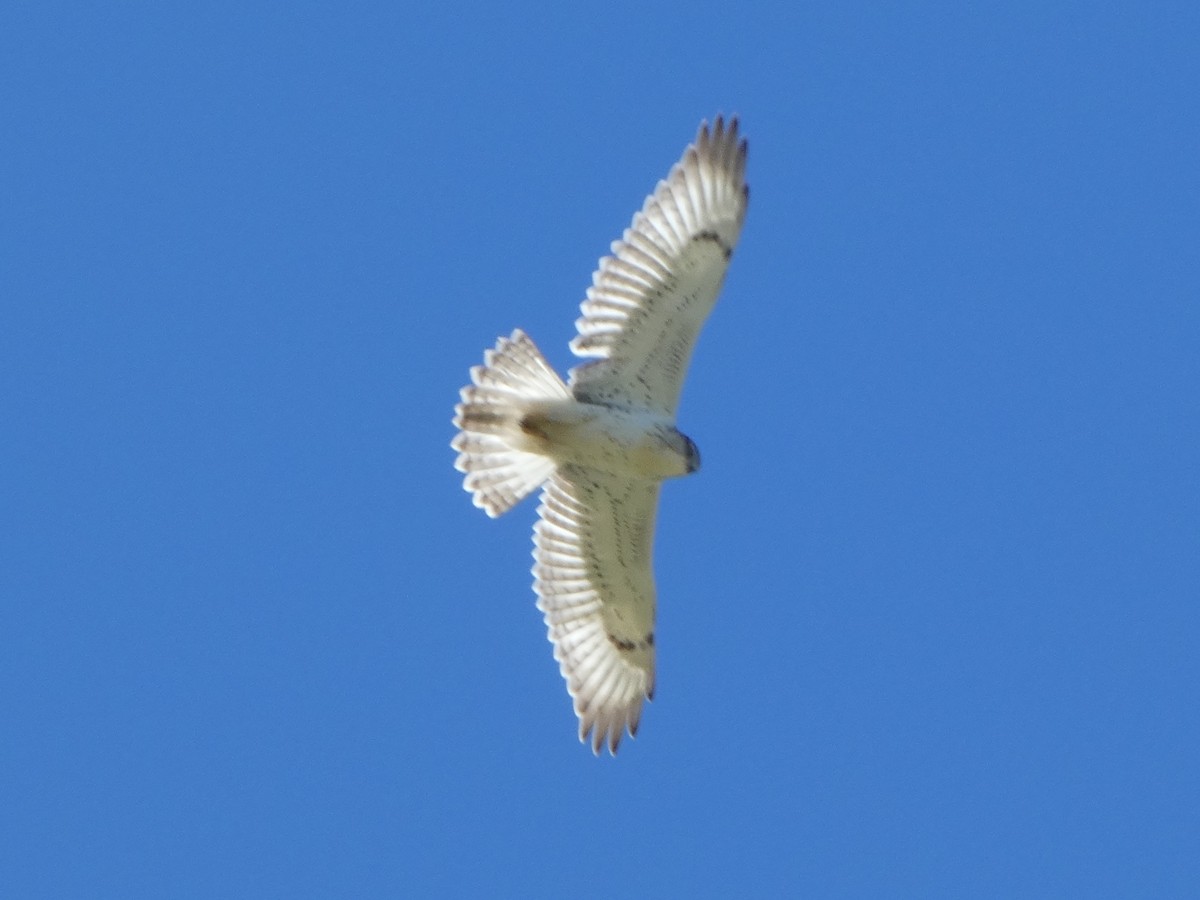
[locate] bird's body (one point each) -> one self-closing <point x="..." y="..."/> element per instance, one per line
<point x="630" y="443"/>
<point x="601" y="444"/>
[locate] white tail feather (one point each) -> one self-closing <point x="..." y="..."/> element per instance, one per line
<point x="512" y="376"/>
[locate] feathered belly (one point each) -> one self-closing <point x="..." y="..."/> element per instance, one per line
<point x="638" y="445"/>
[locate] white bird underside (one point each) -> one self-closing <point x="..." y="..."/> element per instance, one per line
<point x="602" y="443"/>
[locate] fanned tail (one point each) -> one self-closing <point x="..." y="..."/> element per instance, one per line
<point x="512" y="376"/>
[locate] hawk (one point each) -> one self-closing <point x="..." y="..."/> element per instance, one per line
<point x="601" y="444"/>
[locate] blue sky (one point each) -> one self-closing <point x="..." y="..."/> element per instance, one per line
<point x="928" y="616"/>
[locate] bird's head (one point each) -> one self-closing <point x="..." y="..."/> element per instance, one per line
<point x="692" y="454"/>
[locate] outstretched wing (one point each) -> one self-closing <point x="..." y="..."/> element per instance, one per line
<point x="650" y="298"/>
<point x="593" y="578"/>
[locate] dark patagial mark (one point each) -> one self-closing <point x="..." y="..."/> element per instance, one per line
<point x="726" y="250"/>
<point x="629" y="646"/>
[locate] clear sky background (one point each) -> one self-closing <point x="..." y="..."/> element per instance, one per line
<point x="928" y="617"/>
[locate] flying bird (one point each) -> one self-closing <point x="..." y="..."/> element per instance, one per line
<point x="600" y="444"/>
